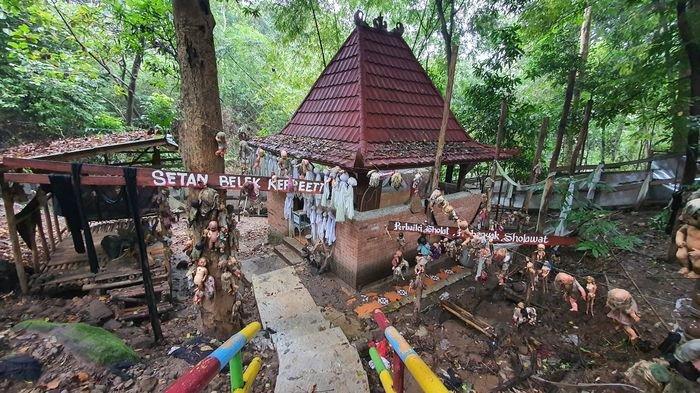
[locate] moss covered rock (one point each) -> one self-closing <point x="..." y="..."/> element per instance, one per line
<point x="90" y="342"/>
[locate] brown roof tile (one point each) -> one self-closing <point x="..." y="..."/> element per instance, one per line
<point x="374" y="107"/>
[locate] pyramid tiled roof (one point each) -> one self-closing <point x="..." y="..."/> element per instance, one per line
<point x="374" y="106"/>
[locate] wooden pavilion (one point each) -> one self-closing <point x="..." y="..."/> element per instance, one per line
<point x="375" y="108"/>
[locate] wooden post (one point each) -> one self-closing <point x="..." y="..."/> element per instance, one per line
<point x="445" y="119"/>
<point x="42" y="237"/>
<point x="8" y="201"/>
<point x="35" y="252"/>
<point x="581" y="136"/>
<point x="56" y="222"/>
<point x="561" y="128"/>
<point x="536" y="161"/>
<point x="463" y="169"/>
<point x="47" y="217"/>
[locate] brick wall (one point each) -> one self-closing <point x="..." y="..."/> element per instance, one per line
<point x="362" y="252"/>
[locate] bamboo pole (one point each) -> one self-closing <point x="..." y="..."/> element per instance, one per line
<point x="445" y="119"/>
<point x="581" y="137"/>
<point x="536" y="161"/>
<point x="14" y="239"/>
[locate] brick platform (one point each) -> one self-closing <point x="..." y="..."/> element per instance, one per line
<point x="362" y="252"/>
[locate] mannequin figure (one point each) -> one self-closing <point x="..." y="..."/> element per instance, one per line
<point x="567" y="284"/>
<point x="591" y="289"/>
<point x="623" y="310"/>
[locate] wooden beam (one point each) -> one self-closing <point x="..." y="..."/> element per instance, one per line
<point x="56" y="222"/>
<point x="114" y="148"/>
<point x="449" y="173"/>
<point x="8" y="201"/>
<point x="42" y="237"/>
<point x="47" y="217"/>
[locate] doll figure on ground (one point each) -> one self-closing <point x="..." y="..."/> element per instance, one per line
<point x="623" y="311"/>
<point x="568" y="286"/>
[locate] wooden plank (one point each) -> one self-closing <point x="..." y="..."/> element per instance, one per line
<point x="141" y="312"/>
<point x="137" y="291"/>
<point x="454" y="311"/>
<point x="118" y="284"/>
<point x="8" y="201"/>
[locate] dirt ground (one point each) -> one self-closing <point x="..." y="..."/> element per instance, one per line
<point x="569" y="347"/>
<point x="602" y="354"/>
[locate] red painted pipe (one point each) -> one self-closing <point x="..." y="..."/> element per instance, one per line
<point x="397" y="368"/>
<point x="197" y="379"/>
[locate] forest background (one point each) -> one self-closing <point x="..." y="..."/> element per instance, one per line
<point x="83" y="67"/>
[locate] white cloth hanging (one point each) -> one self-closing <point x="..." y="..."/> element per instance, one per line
<point x="309" y="198"/>
<point x="321" y="218"/>
<point x="339" y="194"/>
<point x="330" y="229"/>
<point x="312" y="221"/>
<point x="317" y="177"/>
<point x="327" y="185"/>
<point x="288" y="204"/>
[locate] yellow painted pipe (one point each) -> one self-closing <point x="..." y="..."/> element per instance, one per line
<point x="251" y="329"/>
<point x="426" y="378"/>
<point x="387" y="381"/>
<point x="249" y="375"/>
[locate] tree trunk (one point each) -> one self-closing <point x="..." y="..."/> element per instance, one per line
<point x="536" y="160"/>
<point x="445" y="119"/>
<point x="201" y="120"/>
<point x="581" y="137"/>
<point x="561" y="128"/>
<point x="688" y="12"/>
<point x="584" y="45"/>
<point x="131" y="93"/>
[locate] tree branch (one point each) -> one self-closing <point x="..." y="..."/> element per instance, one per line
<point x="85" y="49"/>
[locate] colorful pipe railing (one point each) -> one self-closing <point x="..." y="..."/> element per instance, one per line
<point x="426" y="378"/>
<point x="199" y="376"/>
<point x="384" y="374"/>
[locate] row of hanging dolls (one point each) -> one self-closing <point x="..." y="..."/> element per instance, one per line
<point x="324" y="210"/>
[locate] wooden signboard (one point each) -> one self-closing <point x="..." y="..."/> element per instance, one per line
<point x="147" y="177"/>
<point x="494" y="236"/>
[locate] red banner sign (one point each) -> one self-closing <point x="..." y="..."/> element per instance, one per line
<point x="163" y="178"/>
<point x="493" y="236"/>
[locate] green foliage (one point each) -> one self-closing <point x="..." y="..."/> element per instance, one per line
<point x="107" y="121"/>
<point x="160" y="111"/>
<point x="93" y="343"/>
<point x="598" y="233"/>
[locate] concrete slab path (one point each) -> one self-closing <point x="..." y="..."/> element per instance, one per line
<point x="309" y="350"/>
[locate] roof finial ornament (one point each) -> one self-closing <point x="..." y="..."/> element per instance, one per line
<point x="379" y="23"/>
<point x="398" y="30"/>
<point x="360" y="19"/>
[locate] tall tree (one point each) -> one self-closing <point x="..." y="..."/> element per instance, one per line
<point x="688" y="12"/>
<point x="201" y="121"/>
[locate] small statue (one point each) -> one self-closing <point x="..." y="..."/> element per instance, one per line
<point x="544" y="275"/>
<point x="623" y="310"/>
<point x="688" y="240"/>
<point x="522" y="314"/>
<point x="399" y="266"/>
<point x="211" y="233"/>
<point x="221" y="144"/>
<point x="567" y="284"/>
<point x="539" y="256"/>
<point x="200" y="273"/>
<point x="591" y="289"/>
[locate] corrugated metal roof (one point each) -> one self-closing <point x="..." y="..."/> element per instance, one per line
<point x="374" y="107"/>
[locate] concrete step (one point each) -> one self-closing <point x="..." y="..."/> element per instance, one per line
<point x="261" y="264"/>
<point x="293" y="244"/>
<point x="289" y="254"/>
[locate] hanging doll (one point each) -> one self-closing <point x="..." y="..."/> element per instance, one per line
<point x="501" y="257"/>
<point x="220" y="144"/>
<point x="450" y="212"/>
<point x="544" y="275"/>
<point x="396" y="180"/>
<point x="283" y="164"/>
<point x="399" y="266"/>
<point x="201" y="273"/>
<point x="375" y="178"/>
<point x="259" y="156"/>
<point x="211" y="233"/>
<point x="482" y="218"/>
<point x="531" y="275"/>
<point x="688" y="240"/>
<point x="623" y="310"/>
<point x="228" y="282"/>
<point x="567" y="284"/>
<point x="414" y="198"/>
<point x="423" y="247"/>
<point x="305" y="167"/>
<point x="484" y="260"/>
<point x="209" y="287"/>
<point x="591" y="289"/>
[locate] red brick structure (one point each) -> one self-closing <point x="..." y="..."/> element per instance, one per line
<point x="374" y="107"/>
